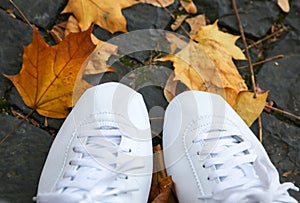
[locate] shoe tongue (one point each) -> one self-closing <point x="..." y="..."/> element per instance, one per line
<point x="112" y="137"/>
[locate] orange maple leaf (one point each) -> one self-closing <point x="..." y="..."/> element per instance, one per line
<point x="48" y="75"/>
<point x="105" y="13"/>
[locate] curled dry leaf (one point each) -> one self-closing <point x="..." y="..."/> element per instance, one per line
<point x="189" y="6"/>
<point x="58" y="32"/>
<point x="170" y="88"/>
<point x="165" y="186"/>
<point x="196" y="23"/>
<point x="161" y="183"/>
<point x="248" y="107"/>
<point x="178" y="21"/>
<point x="105" y="13"/>
<point x="49" y="73"/>
<point x="284" y="5"/>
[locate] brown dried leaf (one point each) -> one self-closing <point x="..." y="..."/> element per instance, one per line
<point x="196" y="23"/>
<point x="284" y="5"/>
<point x="189" y="6"/>
<point x="170" y="88"/>
<point x="165" y="186"/>
<point x="178" y="22"/>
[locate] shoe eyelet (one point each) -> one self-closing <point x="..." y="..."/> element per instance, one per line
<point x="203" y="166"/>
<point x="198" y="153"/>
<point x="70" y="163"/>
<point x="129" y="150"/>
<point x="126" y="177"/>
<point x="208" y="178"/>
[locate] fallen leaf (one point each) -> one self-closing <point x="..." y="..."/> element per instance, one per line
<point x="48" y="75"/>
<point x="105" y="13"/>
<point x="284" y="5"/>
<point x="287" y="174"/>
<point x="58" y="32"/>
<point x="189" y="6"/>
<point x="96" y="62"/>
<point x="178" y="22"/>
<point x="207" y="63"/>
<point x="196" y="23"/>
<point x="170" y="88"/>
<point x="161" y="184"/>
<point x="248" y="107"/>
<point x="165" y="186"/>
<point x="159" y="3"/>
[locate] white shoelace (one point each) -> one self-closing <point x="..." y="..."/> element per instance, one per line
<point x="98" y="173"/>
<point x="242" y="176"/>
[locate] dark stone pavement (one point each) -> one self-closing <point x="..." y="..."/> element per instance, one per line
<point x="23" y="154"/>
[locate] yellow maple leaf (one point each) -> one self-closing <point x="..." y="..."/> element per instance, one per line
<point x="248" y="107"/>
<point x="105" y="13"/>
<point x="48" y="75"/>
<point x="207" y="63"/>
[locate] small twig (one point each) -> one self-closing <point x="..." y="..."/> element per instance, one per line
<point x="266" y="38"/>
<point x="263" y="61"/>
<point x="260" y="133"/>
<point x="174" y="18"/>
<point x="17" y="126"/>
<point x="21" y="13"/>
<point x="283" y="112"/>
<point x="245" y="45"/>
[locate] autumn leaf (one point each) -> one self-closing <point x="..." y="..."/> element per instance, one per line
<point x="165" y="186"/>
<point x="207" y="63"/>
<point x="284" y="5"/>
<point x="188" y="6"/>
<point x="196" y="23"/>
<point x="161" y="184"/>
<point x="48" y="75"/>
<point x="105" y="13"/>
<point x="96" y="62"/>
<point x="248" y="107"/>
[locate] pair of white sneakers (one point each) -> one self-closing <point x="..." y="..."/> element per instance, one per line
<point x="103" y="152"/>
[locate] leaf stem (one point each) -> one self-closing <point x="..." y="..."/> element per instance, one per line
<point x="17" y="126"/>
<point x="245" y="45"/>
<point x="21" y="13"/>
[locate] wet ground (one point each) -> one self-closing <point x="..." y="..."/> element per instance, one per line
<point x="23" y="154"/>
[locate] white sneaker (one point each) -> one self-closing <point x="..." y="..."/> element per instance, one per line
<point x="213" y="156"/>
<point x="103" y="151"/>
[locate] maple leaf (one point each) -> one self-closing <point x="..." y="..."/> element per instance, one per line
<point x="207" y="63"/>
<point x="105" y="13"/>
<point x="248" y="107"/>
<point x="96" y="62"/>
<point x="48" y="75"/>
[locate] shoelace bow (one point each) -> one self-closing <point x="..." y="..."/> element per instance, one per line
<point x="98" y="173"/>
<point x="243" y="177"/>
